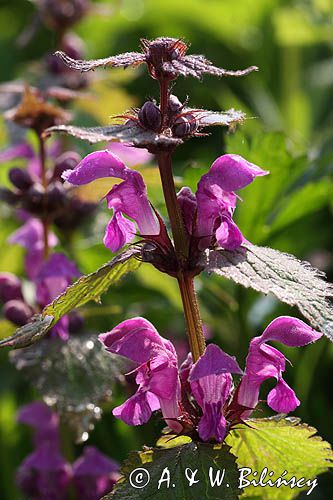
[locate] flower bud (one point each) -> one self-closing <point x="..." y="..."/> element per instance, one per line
<point x="8" y="196"/>
<point x="56" y="196"/>
<point x="34" y="198"/>
<point x="20" y="178"/>
<point x="17" y="311"/>
<point x="66" y="161"/>
<point x="10" y="287"/>
<point x="184" y="125"/>
<point x="150" y="116"/>
<point x="175" y="106"/>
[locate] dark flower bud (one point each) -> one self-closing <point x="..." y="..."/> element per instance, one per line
<point x="17" y="311"/>
<point x="34" y="198"/>
<point x="184" y="125"/>
<point x="66" y="161"/>
<point x="20" y="178"/>
<point x="56" y="196"/>
<point x="10" y="287"/>
<point x="8" y="196"/>
<point x="150" y="116"/>
<point x="60" y="15"/>
<point x="175" y="106"/>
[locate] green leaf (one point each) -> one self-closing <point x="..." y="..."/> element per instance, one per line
<point x="280" y="444"/>
<point x="292" y="281"/>
<point x="171" y="468"/>
<point x="92" y="286"/>
<point x="87" y="288"/>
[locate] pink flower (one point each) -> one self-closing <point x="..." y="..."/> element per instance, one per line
<point x="208" y="214"/>
<point x="129" y="198"/>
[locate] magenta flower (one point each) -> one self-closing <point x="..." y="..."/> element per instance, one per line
<point x="200" y="399"/>
<point x="264" y="361"/>
<point x="208" y="214"/>
<point x="94" y="474"/>
<point x="211" y="384"/>
<point x="30" y="236"/>
<point x="129" y="198"/>
<point x="156" y="374"/>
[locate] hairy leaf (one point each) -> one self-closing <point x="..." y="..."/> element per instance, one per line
<point x="179" y="464"/>
<point x="118" y="61"/>
<point x="29" y="334"/>
<point x="86" y="288"/>
<point x="292" y="281"/>
<point x="89" y="373"/>
<point x="280" y="444"/>
<point x="92" y="286"/>
<point x="126" y="132"/>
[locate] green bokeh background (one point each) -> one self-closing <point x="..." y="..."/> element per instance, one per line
<point x="288" y="131"/>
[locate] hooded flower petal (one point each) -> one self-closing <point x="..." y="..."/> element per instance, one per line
<point x="264" y="361"/>
<point x="232" y="172"/>
<point x="136" y="339"/>
<point x="211" y="381"/>
<point x="216" y="200"/>
<point x="214" y="362"/>
<point x="96" y="166"/>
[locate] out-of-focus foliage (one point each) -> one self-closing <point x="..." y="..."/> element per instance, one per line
<point x="289" y="132"/>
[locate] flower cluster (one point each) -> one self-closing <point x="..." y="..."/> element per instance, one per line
<point x="207" y="214"/>
<point x="46" y="475"/>
<point x="200" y="398"/>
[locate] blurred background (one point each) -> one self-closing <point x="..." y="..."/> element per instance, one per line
<point x="289" y="131"/>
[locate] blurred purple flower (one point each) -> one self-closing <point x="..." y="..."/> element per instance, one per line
<point x="156" y="374"/>
<point x="264" y="361"/>
<point x="43" y="421"/>
<point x="30" y="236"/>
<point x="130" y="155"/>
<point x="94" y="474"/>
<point x="25" y="151"/>
<point x="53" y="278"/>
<point x="128" y="198"/>
<point x="208" y="214"/>
<point x="44" y="474"/>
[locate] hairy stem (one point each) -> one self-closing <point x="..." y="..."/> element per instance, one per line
<point x="42" y="158"/>
<point x="175" y="216"/>
<point x="192" y="316"/>
<point x="181" y="242"/>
